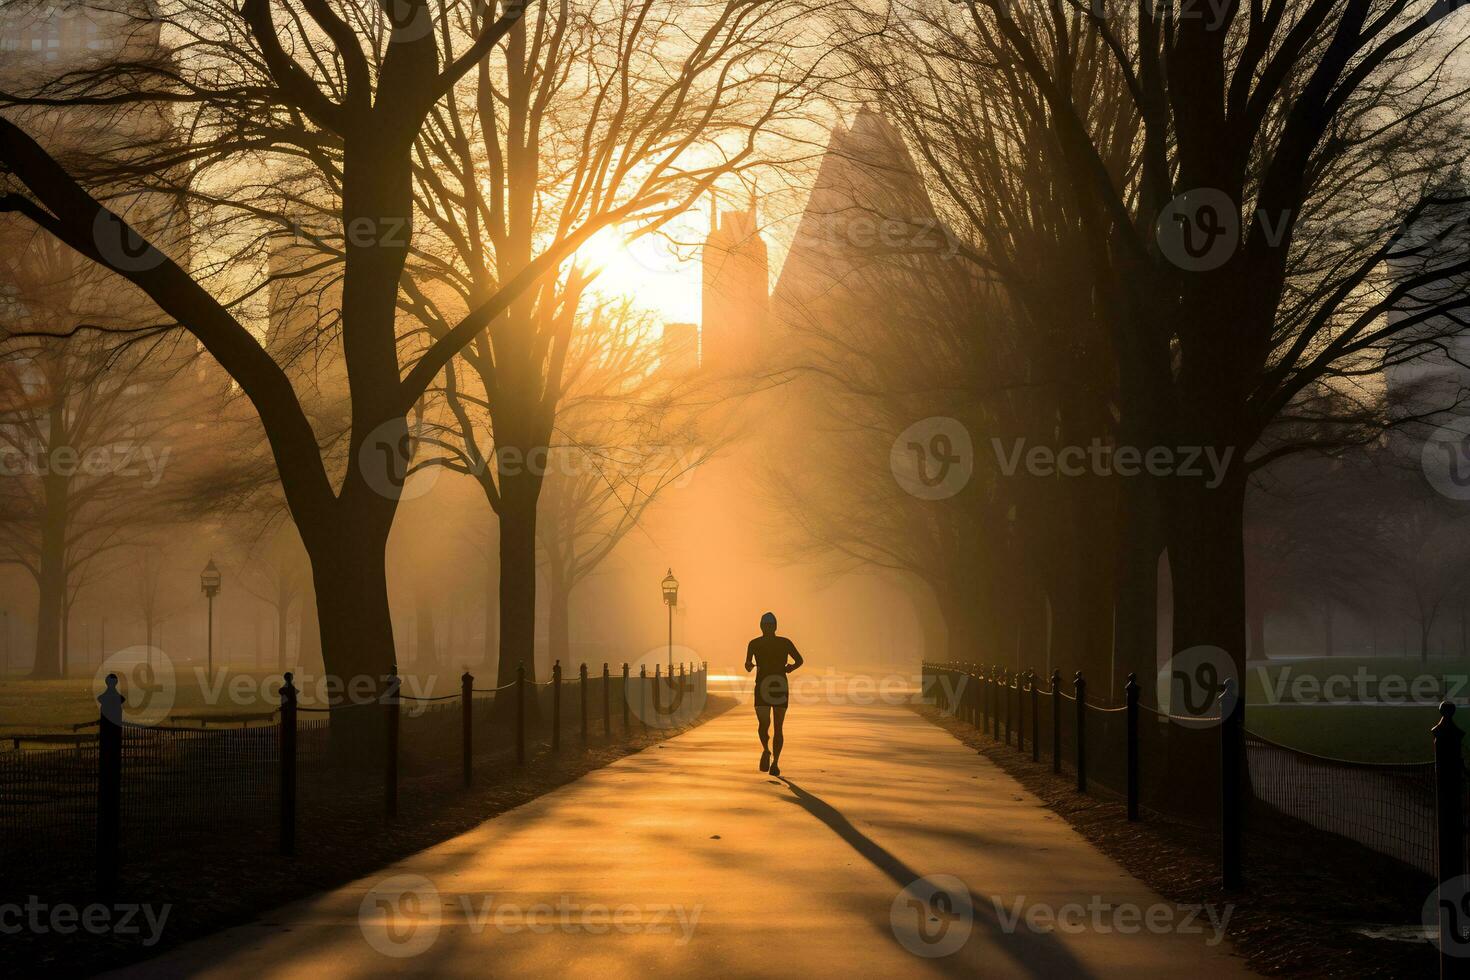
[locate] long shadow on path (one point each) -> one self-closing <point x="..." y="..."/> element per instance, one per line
<point x="1037" y="954"/>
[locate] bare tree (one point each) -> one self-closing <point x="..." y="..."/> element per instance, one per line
<point x="344" y="97"/>
<point x="620" y="116"/>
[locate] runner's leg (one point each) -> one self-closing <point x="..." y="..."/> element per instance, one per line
<point x="780" y="738"/>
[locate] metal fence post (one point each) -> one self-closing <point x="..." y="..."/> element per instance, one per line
<point x="1080" y="684"/>
<point x="467" y="724"/>
<point x="657" y="694"/>
<point x="390" y="776"/>
<point x="1020" y="711"/>
<point x="606" y="703"/>
<point x="643" y="695"/>
<point x="521" y="714"/>
<point x="556" y="706"/>
<point x="997" y="699"/>
<point x="582" y="678"/>
<point x="1130" y="698"/>
<point x="1232" y="743"/>
<point x="1006" y="678"/>
<point x="972" y="695"/>
<point x="1035" y="721"/>
<point x="625" y="699"/>
<point x="287" y="766"/>
<point x="1056" y="720"/>
<point x="1448" y="789"/>
<point x="109" y="786"/>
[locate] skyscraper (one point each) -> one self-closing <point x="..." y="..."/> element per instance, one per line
<point x="736" y="298"/>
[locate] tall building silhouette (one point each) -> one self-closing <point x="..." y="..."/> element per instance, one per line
<point x="678" y="351"/>
<point x="735" y="307"/>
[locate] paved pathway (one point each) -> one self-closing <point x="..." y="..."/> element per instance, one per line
<point x="684" y="860"/>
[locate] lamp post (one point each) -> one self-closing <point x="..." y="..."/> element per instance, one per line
<point x="209" y="584"/>
<point x="671" y="599"/>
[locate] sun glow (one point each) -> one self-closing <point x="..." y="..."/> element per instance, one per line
<point x="662" y="278"/>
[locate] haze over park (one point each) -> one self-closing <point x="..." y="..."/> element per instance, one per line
<point x="734" y="487"/>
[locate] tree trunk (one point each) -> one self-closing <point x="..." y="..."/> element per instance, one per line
<point x="283" y="612"/>
<point x="517" y="580"/>
<point x="1207" y="565"/>
<point x="309" y="635"/>
<point x="492" y="617"/>
<point x="350" y="621"/>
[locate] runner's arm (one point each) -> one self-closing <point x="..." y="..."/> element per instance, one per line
<point x="796" y="659"/>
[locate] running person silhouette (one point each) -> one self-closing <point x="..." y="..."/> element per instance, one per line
<point x="772" y="657"/>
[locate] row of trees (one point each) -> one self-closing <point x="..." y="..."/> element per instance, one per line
<point x="1203" y="235"/>
<point x="418" y="185"/>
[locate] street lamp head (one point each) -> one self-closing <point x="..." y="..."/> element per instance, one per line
<point x="209" y="579"/>
<point x="671" y="589"/>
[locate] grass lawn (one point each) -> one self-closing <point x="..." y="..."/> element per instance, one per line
<point x="1285" y="703"/>
<point x="54" y="706"/>
<point x="1357" y="679"/>
<point x="1360" y="733"/>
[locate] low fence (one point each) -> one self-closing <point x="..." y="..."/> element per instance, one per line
<point x="118" y="788"/>
<point x="1178" y="764"/>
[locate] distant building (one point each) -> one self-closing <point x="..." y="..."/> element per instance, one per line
<point x="736" y="296"/>
<point x="679" y="348"/>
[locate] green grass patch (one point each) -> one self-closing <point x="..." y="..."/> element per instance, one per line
<point x="54" y="706"/>
<point x="1359" y="733"/>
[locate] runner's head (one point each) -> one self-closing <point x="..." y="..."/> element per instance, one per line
<point x="768" y="623"/>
